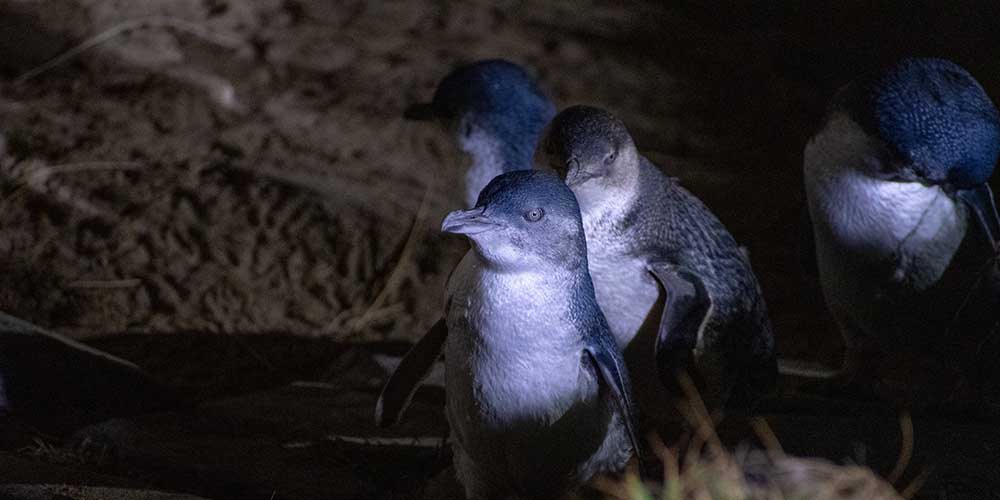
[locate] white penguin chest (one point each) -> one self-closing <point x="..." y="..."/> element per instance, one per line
<point x="625" y="290"/>
<point x="511" y="353"/>
<point x="905" y="232"/>
<point x="912" y="228"/>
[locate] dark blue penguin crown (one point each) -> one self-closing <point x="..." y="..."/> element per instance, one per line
<point x="513" y="191"/>
<point x="500" y="97"/>
<point x="933" y="115"/>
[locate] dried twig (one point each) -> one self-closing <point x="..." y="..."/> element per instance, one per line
<point x="916" y="484"/>
<point x="395" y="275"/>
<point x="36" y="177"/>
<point x="699" y="416"/>
<point x="767" y="437"/>
<point x="905" y="450"/>
<point x="409" y="441"/>
<point x="86" y="166"/>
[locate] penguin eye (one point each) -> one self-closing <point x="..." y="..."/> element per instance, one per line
<point x="610" y="158"/>
<point x="534" y="215"/>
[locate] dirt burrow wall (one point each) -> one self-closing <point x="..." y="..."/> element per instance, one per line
<point x="243" y="167"/>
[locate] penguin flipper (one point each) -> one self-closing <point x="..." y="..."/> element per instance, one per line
<point x="607" y="362"/>
<point x="403" y="383"/>
<point x="686" y="311"/>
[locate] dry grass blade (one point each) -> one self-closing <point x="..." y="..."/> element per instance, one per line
<point x="915" y="485"/>
<point x="51" y="453"/>
<point x="35" y="177"/>
<point x="219" y="38"/>
<point x="752" y="474"/>
<point x="105" y="284"/>
<point x="767" y="437"/>
<point x="698" y="414"/>
<point x="396" y="274"/>
<point x="610" y="488"/>
<point x="351" y="192"/>
<point x="85" y="166"/>
<point x="671" y="468"/>
<point x="406" y="441"/>
<point x="906" y="448"/>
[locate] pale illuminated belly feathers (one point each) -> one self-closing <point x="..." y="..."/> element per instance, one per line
<point x="516" y="388"/>
<point x="879" y="243"/>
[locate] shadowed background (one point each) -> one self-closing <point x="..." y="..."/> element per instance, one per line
<point x="242" y="167"/>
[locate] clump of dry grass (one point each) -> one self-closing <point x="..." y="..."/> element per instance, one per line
<point x="50" y="453"/>
<point x="752" y="475"/>
<point x="707" y="471"/>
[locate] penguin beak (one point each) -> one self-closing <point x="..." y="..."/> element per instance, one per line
<point x="575" y="175"/>
<point x="980" y="201"/>
<point x="468" y="222"/>
<point x="421" y="111"/>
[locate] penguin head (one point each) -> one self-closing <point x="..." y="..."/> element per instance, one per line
<point x="926" y="120"/>
<point x="524" y="219"/>
<point x="489" y="104"/>
<point x="590" y="149"/>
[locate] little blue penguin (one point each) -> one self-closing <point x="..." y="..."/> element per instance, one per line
<point x="904" y="223"/>
<point x="495" y="111"/>
<point x="537" y="394"/>
<point x="646" y="233"/>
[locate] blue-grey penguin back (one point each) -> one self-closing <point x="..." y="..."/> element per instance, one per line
<point x="740" y="327"/>
<point x="932" y="115"/>
<point x="501" y="97"/>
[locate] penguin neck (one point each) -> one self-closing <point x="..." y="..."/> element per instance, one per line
<point x="543" y="273"/>
<point x="489" y="157"/>
<point x="609" y="200"/>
